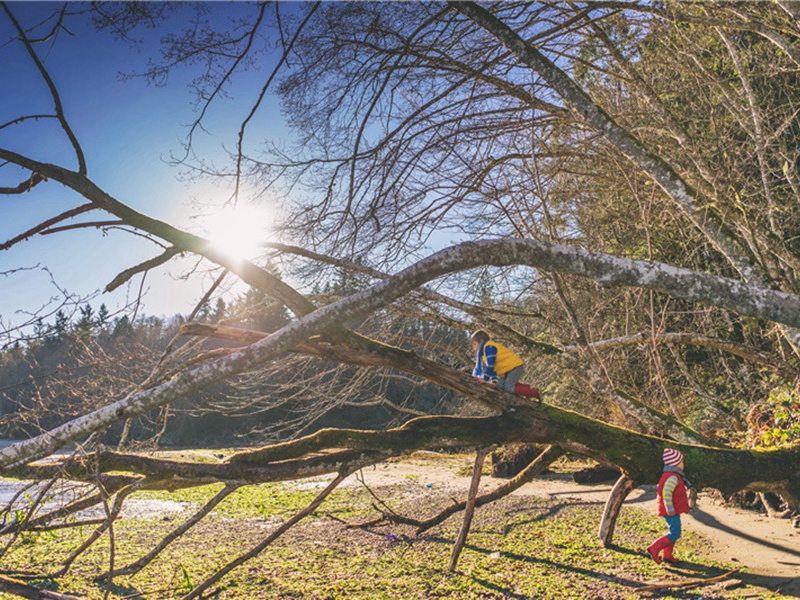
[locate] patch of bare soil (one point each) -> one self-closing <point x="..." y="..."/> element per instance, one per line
<point x="766" y="550"/>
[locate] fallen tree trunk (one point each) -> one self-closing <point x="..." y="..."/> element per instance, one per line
<point x="330" y="450"/>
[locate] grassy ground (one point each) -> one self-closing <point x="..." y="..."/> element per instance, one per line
<point x="519" y="547"/>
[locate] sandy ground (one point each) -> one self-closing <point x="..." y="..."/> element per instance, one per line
<point x="768" y="550"/>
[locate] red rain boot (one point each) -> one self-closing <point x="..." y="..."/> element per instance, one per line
<point x="668" y="554"/>
<point x="523" y="389"/>
<point x="656" y="547"/>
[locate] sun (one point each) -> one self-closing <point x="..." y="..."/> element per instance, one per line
<point x="238" y="231"/>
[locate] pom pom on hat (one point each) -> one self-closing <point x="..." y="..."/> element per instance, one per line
<point x="671" y="457"/>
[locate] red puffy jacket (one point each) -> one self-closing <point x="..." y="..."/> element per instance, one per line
<point x="680" y="500"/>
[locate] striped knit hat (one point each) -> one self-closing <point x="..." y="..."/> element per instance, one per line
<point x="671" y="457"/>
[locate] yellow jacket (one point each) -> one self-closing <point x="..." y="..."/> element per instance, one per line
<point x="494" y="360"/>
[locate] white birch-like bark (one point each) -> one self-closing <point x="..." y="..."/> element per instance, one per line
<point x="607" y="270"/>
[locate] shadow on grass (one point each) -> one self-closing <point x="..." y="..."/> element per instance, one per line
<point x="785" y="585"/>
<point x="647" y="493"/>
<point x="121" y="590"/>
<point x="601" y="576"/>
<point x="685" y="569"/>
<point x="552" y="511"/>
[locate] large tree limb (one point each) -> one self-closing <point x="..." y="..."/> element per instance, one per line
<point x="478" y="312"/>
<point x="452" y="379"/>
<point x="263" y="280"/>
<point x="622" y="488"/>
<point x="607" y="270"/>
<point x="164" y="474"/>
<point x="638" y="455"/>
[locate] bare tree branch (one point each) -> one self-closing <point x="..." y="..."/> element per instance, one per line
<point x="156" y="261"/>
<point x="44" y="225"/>
<point x="53" y="91"/>
<point x="26" y="186"/>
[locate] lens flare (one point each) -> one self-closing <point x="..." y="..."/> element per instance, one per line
<point x="238" y="231"/>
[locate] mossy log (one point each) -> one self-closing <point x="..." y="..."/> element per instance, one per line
<point x="334" y="450"/>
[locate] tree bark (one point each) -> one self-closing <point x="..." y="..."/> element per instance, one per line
<point x="23" y="590"/>
<point x="608" y="522"/>
<point x="469" y="510"/>
<point x="637" y="455"/>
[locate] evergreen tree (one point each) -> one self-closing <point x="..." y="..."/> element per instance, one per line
<point x="122" y="327"/>
<point x="101" y="320"/>
<point x="86" y="323"/>
<point x="220" y="310"/>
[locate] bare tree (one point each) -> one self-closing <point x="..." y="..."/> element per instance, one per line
<point x="636" y="243"/>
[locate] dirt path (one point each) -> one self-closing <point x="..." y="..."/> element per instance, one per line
<point x="767" y="549"/>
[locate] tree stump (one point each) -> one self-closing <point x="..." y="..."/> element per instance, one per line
<point x="511" y="459"/>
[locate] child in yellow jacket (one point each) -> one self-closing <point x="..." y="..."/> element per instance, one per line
<point x="497" y="364"/>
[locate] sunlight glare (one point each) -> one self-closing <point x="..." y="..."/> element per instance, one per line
<point x="238" y="231"/>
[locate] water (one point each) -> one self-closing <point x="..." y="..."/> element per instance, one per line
<point x="64" y="492"/>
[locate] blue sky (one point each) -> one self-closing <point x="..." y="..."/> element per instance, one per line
<point x="127" y="129"/>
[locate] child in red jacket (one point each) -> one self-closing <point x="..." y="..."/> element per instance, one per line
<point x="673" y="501"/>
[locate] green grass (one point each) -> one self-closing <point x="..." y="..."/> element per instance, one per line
<point x="519" y="547"/>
